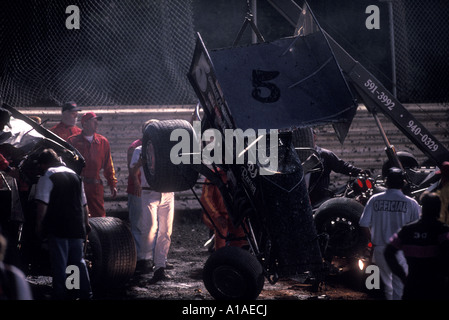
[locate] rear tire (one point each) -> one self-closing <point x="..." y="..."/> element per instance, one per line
<point x="407" y="159"/>
<point x="111" y="253"/>
<point x="160" y="172"/>
<point x="339" y="218"/>
<point x="232" y="273"/>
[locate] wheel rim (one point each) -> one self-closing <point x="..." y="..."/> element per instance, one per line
<point x="342" y="233"/>
<point x="229" y="281"/>
<point x="150" y="158"/>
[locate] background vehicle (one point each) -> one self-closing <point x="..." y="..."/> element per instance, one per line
<point x="110" y="249"/>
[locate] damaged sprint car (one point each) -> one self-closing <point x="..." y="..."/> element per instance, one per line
<point x="110" y="251"/>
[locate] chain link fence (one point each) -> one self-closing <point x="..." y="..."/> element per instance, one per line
<point x="134" y="52"/>
<point x="127" y="52"/>
<point x="421" y="31"/>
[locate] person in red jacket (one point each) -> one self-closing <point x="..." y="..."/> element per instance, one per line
<point x="135" y="206"/>
<point x="96" y="151"/>
<point x="224" y="230"/>
<point x="4" y="166"/>
<point x="67" y="127"/>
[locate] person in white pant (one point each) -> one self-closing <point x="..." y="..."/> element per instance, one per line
<point x="384" y="214"/>
<point x="155" y="223"/>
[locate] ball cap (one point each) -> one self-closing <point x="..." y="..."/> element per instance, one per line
<point x="90" y="115"/>
<point x="395" y="172"/>
<point x="70" y="106"/>
<point x="395" y="176"/>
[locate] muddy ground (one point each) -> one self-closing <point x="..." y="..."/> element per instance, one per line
<point x="188" y="255"/>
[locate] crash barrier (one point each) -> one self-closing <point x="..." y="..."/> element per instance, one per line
<point x="363" y="146"/>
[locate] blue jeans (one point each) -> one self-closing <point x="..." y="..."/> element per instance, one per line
<point x="65" y="252"/>
<point x="135" y="215"/>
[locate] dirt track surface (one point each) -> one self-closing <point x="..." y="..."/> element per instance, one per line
<point x="188" y="255"/>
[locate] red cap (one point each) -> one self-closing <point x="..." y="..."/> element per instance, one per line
<point x="90" y="115"/>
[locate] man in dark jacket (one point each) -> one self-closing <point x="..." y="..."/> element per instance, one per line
<point x="425" y="244"/>
<point x="319" y="181"/>
<point x="61" y="216"/>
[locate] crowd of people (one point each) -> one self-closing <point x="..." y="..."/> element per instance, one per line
<point x="410" y="239"/>
<point x="64" y="200"/>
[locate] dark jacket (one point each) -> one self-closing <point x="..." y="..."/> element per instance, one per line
<point x="319" y="181"/>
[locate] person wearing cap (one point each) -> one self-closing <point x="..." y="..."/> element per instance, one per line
<point x="96" y="151"/>
<point x="384" y="214"/>
<point x="67" y="127"/>
<point x="5" y="117"/>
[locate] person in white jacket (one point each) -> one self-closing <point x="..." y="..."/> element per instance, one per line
<point x="384" y="214"/>
<point x="156" y="222"/>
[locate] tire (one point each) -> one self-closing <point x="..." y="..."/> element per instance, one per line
<point x="232" y="273"/>
<point x="407" y="160"/>
<point x="111" y="253"/>
<point x="339" y="218"/>
<point x="160" y="172"/>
